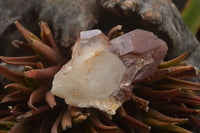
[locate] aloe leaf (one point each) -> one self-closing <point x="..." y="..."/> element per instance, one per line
<point x="50" y="99"/>
<point x="173" y="83"/>
<point x="30" y="82"/>
<point x="27" y="35"/>
<point x="11" y="74"/>
<point x="174" y="61"/>
<point x="37" y="95"/>
<point x="14" y="97"/>
<point x="66" y="121"/>
<point x="46" y="73"/>
<point x="24" y="61"/>
<point x="175" y="129"/>
<point x="165" y="126"/>
<point x="54" y="128"/>
<point x="18" y="86"/>
<point x="47" y="35"/>
<point x="47" y="53"/>
<point x="164" y="118"/>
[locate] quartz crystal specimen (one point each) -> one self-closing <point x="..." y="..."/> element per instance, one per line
<point x="101" y="71"/>
<point x="92" y="75"/>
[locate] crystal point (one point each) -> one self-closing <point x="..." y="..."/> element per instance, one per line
<point x="92" y="75"/>
<point x="141" y="51"/>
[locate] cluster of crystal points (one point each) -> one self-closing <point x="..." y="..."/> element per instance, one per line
<point x="101" y="69"/>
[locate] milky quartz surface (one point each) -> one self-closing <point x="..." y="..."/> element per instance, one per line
<point x="92" y="75"/>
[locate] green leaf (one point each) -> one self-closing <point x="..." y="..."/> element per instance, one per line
<point x="191" y="15"/>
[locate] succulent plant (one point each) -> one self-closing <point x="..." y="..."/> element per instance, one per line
<point x="157" y="97"/>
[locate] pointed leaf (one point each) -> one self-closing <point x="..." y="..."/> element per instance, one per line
<point x="94" y="120"/>
<point x="155" y="122"/>
<point x="46" y="124"/>
<point x="141" y="103"/>
<point x="30" y="82"/>
<point x="18" y="86"/>
<point x="37" y="95"/>
<point x="50" y="99"/>
<point x="11" y="74"/>
<point x="23" y="46"/>
<point x="25" y="61"/>
<point x="174" y="61"/>
<point x="176" y="109"/>
<point x="66" y="121"/>
<point x="47" y="53"/>
<point x="54" y="128"/>
<point x="45" y="73"/>
<point x="13" y="97"/>
<point x="176" y="129"/>
<point x="188" y="74"/>
<point x="186" y="101"/>
<point x="33" y="113"/>
<point x="49" y="36"/>
<point x="173" y="83"/>
<point x="18" y="109"/>
<point x="27" y="35"/>
<point x="161" y="117"/>
<point x="129" y="120"/>
<point x="158" y="94"/>
<point x="165" y="72"/>
<point x="163" y="126"/>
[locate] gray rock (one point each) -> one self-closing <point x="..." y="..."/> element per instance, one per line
<point x="69" y="17"/>
<point x="16" y="10"/>
<point x="22" y="10"/>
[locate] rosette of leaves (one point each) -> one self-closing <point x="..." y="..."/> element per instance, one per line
<point x="164" y="101"/>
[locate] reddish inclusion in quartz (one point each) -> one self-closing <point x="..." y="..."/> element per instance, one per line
<point x="137" y="45"/>
<point x="141" y="52"/>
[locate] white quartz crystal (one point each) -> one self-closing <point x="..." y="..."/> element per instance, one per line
<point x="93" y="74"/>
